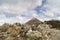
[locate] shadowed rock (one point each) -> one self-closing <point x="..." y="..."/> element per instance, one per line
<point x="54" y="23"/>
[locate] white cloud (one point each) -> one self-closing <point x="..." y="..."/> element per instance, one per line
<point x="17" y="8"/>
<point x="53" y="9"/>
<point x="22" y="10"/>
<point x="20" y="6"/>
<point x="49" y="14"/>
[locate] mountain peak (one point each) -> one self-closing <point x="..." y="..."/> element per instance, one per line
<point x="34" y="21"/>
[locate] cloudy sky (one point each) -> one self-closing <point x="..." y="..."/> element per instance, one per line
<point x="12" y="11"/>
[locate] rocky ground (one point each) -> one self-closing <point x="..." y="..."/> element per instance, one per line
<point x="26" y="32"/>
<point x="32" y="30"/>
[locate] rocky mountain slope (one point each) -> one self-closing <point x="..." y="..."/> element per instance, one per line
<point x="32" y="30"/>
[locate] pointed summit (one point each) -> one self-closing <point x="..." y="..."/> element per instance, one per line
<point x="34" y="21"/>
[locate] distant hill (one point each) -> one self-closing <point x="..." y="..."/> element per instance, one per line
<point x="54" y="23"/>
<point x="34" y="21"/>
